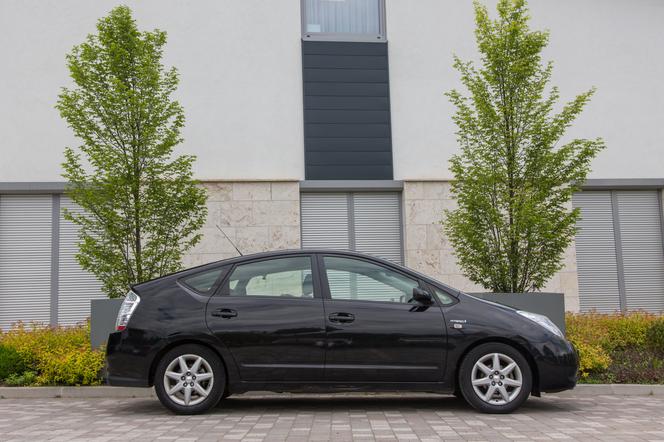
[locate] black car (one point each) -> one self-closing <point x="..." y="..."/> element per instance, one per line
<point x="327" y="321"/>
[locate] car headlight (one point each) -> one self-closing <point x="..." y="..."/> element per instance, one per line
<point x="543" y="321"/>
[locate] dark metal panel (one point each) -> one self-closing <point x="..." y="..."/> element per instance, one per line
<point x="348" y="172"/>
<point x="349" y="158"/>
<point x="347" y="89"/>
<point x="343" y="48"/>
<point x="346" y="116"/>
<point x="340" y="75"/>
<point x="345" y="61"/>
<point x="347" y="130"/>
<point x="350" y="103"/>
<point x="348" y="144"/>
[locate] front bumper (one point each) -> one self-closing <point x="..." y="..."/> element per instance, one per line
<point x="558" y="366"/>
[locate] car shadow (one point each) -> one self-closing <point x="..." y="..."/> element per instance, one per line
<point x="297" y="403"/>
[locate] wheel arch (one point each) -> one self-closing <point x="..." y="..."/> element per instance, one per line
<point x="535" y="390"/>
<point x="174" y="344"/>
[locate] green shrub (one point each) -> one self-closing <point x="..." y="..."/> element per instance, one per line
<point x="655" y="336"/>
<point x="11" y="362"/>
<point x="58" y="355"/>
<point x="592" y="358"/>
<point x="16" y="380"/>
<point x="618" y="348"/>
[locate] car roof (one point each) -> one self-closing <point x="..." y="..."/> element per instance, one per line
<point x="321" y="251"/>
<point x="289" y="252"/>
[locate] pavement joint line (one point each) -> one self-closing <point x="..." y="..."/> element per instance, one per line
<point x="138" y="393"/>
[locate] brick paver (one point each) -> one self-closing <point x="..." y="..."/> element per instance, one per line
<point x="334" y="417"/>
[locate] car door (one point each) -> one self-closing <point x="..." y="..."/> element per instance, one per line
<point x="269" y="313"/>
<point x="376" y="332"/>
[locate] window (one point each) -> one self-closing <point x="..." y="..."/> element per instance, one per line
<point x="363" y="281"/>
<point x="360" y="20"/>
<point x="204" y="281"/>
<point x="443" y="297"/>
<point x="281" y="277"/>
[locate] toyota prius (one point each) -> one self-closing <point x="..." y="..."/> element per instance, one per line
<point x="328" y="321"/>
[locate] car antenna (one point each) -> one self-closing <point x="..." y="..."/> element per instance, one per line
<point x="229" y="240"/>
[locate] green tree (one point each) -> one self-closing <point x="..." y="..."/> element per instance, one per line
<point x="512" y="181"/>
<point x="141" y="207"/>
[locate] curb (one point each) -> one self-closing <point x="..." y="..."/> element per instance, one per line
<point x="615" y="390"/>
<point x="75" y="392"/>
<point x="131" y="392"/>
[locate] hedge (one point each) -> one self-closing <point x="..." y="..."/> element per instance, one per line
<point x="617" y="348"/>
<point x="612" y="348"/>
<point x="49" y="356"/>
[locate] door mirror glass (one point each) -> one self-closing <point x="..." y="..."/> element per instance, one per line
<point x="422" y="296"/>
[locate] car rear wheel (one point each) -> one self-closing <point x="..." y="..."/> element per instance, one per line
<point x="495" y="378"/>
<point x="190" y="379"/>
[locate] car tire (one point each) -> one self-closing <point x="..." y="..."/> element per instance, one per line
<point x="495" y="389"/>
<point x="201" y="384"/>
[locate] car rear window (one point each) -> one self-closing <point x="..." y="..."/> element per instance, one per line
<point x="203" y="282"/>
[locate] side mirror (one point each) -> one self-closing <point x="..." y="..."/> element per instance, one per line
<point x="422" y="296"/>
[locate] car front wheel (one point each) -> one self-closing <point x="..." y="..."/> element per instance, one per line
<point x="190" y="379"/>
<point x="495" y="378"/>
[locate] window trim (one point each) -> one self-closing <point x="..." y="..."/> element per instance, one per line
<point x="381" y="37"/>
<point x="325" y="285"/>
<point x="223" y="289"/>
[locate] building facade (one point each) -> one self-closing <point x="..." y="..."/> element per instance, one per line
<point x="323" y="123"/>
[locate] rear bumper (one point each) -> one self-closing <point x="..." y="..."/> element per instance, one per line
<point x="558" y="367"/>
<point x="126" y="364"/>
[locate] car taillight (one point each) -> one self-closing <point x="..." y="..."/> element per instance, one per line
<point x="126" y="310"/>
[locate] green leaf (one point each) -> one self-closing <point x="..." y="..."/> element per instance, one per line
<point x="142" y="209"/>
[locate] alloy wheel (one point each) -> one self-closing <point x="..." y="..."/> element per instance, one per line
<point x="188" y="379"/>
<point x="496" y="379"/>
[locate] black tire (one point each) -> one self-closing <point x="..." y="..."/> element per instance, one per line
<point x="479" y="403"/>
<point x="216" y="390"/>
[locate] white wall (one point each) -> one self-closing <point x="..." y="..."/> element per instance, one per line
<point x="241" y="84"/>
<point x="615" y="45"/>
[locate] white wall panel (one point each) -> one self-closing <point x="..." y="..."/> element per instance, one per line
<point x="596" y="253"/>
<point x="643" y="255"/>
<point x="77" y="287"/>
<point x="240" y="82"/>
<point x="25" y="259"/>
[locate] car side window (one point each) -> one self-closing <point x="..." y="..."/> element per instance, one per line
<point x="360" y="280"/>
<point x="443" y="297"/>
<point x="204" y="281"/>
<point x="280" y="277"/>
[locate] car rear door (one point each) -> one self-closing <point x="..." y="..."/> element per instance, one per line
<point x="376" y="332"/>
<point x="269" y="314"/>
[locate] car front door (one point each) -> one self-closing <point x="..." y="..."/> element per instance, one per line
<point x="269" y="314"/>
<point x="376" y="332"/>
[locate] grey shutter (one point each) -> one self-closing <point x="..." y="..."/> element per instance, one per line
<point x="25" y="258"/>
<point x="325" y="221"/>
<point x="596" y="253"/>
<point x="643" y="256"/>
<point x="76" y="286"/>
<point x="378" y="230"/>
<point x="368" y="222"/>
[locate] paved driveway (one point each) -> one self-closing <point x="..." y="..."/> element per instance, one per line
<point x="329" y="417"/>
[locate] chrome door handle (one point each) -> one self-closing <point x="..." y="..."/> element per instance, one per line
<point x="341" y="317"/>
<point x="225" y="313"/>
